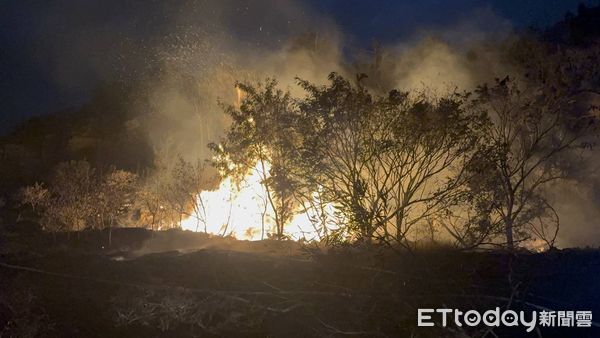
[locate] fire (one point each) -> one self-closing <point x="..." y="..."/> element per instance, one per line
<point x="243" y="212"/>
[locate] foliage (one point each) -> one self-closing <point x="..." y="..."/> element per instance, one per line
<point x="533" y="131"/>
<point x="384" y="163"/>
<point x="69" y="203"/>
<point x="390" y="163"/>
<point x="363" y="162"/>
<point x="78" y="197"/>
<point x="152" y="203"/>
<point x="113" y="198"/>
<point x="259" y="139"/>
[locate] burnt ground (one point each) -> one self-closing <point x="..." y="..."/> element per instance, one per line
<point x="72" y="286"/>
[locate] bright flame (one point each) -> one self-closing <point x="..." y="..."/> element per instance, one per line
<point x="244" y="212"/>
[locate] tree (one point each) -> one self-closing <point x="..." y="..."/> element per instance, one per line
<point x="535" y="128"/>
<point x="388" y="163"/>
<point x="257" y="141"/>
<point x="67" y="204"/>
<point x="114" y="197"/>
<point x="385" y="163"/>
<point x="77" y="197"/>
<point x="152" y="203"/>
<point x="188" y="181"/>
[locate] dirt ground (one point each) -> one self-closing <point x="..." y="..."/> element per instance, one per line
<point x="181" y="284"/>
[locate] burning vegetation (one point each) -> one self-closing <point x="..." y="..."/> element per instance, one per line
<point x="343" y="163"/>
<point x="358" y="154"/>
<point x="344" y="191"/>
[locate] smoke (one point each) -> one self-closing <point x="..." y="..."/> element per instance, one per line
<point x="200" y="70"/>
<point x="576" y="205"/>
<point x="458" y="57"/>
<point x="190" y="53"/>
<point x="186" y="56"/>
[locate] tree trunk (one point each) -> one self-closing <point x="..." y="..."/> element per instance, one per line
<point x="399" y="220"/>
<point x="509" y="234"/>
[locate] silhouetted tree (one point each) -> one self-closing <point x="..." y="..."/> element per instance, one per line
<point x="389" y="163"/>
<point x="534" y="128"/>
<point x="256" y="141"/>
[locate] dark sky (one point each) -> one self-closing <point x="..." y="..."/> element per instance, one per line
<point x="52" y="52"/>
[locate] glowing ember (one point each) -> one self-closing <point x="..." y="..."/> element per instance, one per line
<point x="243" y="212"/>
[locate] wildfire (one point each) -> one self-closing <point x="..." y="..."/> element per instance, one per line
<point x="242" y="211"/>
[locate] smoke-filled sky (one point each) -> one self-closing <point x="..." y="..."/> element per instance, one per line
<point x="53" y="53"/>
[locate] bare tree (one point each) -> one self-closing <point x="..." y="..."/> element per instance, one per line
<point x="182" y="188"/>
<point x="188" y="181"/>
<point x="534" y="129"/>
<point x="152" y="203"/>
<point x="67" y="203"/>
<point x="114" y="198"/>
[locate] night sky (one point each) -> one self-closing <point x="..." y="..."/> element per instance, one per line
<point x="40" y="39"/>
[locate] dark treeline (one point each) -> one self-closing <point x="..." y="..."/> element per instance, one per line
<point x="367" y="164"/>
